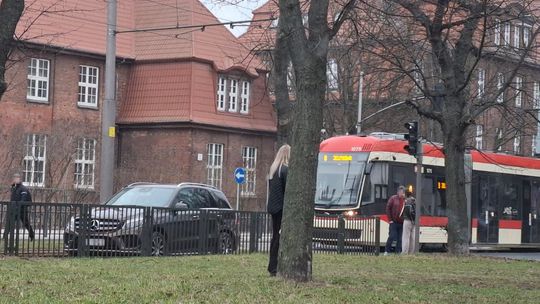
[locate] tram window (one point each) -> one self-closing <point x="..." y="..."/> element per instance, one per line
<point x="381" y="192"/>
<point x="366" y="193"/>
<point x="511" y="202"/>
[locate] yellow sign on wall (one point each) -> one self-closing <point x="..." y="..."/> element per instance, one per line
<point x="112" y="131"/>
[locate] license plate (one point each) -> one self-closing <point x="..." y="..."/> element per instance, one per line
<point x="95" y="242"/>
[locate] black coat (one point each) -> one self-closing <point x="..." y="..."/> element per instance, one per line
<point x="276" y="190"/>
<point x="19" y="193"/>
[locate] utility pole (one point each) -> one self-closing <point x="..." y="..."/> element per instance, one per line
<point x="108" y="118"/>
<point x="419" y="156"/>
<point x="360" y="101"/>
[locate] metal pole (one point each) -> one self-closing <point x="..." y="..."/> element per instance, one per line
<point x="237" y="196"/>
<point x="108" y="119"/>
<point x="420" y="151"/>
<point x="360" y="101"/>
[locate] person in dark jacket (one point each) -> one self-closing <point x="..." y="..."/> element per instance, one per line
<point x="21" y="194"/>
<point x="277" y="179"/>
<point x="393" y="211"/>
<point x="408" y="215"/>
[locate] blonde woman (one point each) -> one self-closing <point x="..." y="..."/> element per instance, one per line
<point x="277" y="179"/>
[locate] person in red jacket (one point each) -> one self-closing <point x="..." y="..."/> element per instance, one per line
<point x="393" y="211"/>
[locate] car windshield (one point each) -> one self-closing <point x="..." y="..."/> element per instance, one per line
<point x="339" y="178"/>
<point x="143" y="196"/>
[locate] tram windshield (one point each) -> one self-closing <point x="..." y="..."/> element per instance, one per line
<point x="339" y="177"/>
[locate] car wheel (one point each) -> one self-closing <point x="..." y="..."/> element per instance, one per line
<point x="158" y="244"/>
<point x="226" y="243"/>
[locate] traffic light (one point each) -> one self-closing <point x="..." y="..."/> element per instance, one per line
<point x="412" y="138"/>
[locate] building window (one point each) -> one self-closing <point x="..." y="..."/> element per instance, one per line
<point x="517" y="36"/>
<point x="481" y="82"/>
<point x="519" y="84"/>
<point x="221" y="93"/>
<point x="533" y="146"/>
<point x="536" y="95"/>
<point x="88" y="86"/>
<point x="214" y="167"/>
<point x="517" y="144"/>
<point x="34" y="161"/>
<point x="38" y="80"/>
<point x="500" y="84"/>
<point x="507" y="28"/>
<point x="305" y="20"/>
<point x="332" y="74"/>
<point x="499" y="139"/>
<point x="249" y="157"/>
<point x="244" y="98"/>
<point x="85" y="163"/>
<point x="497" y="38"/>
<point x="232" y="94"/>
<point x="479" y="137"/>
<point x="526" y="35"/>
<point x="275" y="22"/>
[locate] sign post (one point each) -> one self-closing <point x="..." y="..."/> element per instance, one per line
<point x="239" y="178"/>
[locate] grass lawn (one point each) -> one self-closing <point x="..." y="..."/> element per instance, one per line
<point x="243" y="279"/>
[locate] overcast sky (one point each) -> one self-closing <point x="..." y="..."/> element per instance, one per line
<point x="233" y="12"/>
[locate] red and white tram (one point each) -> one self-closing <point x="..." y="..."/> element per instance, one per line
<point x="357" y="175"/>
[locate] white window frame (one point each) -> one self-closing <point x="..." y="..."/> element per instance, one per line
<point x="500" y="84"/>
<point x="305" y="20"/>
<point x="233" y="95"/>
<point x="249" y="159"/>
<point x="519" y="94"/>
<point x="332" y="75"/>
<point x="244" y="97"/>
<point x="517" y="144"/>
<point x="38" y="74"/>
<point x="275" y="23"/>
<point x="85" y="164"/>
<point x="88" y="86"/>
<point x="479" y="139"/>
<point x="527" y="31"/>
<point x="214" y="165"/>
<point x="497" y="33"/>
<point x="221" y="93"/>
<point x="517" y="36"/>
<point x="499" y="139"/>
<point x="507" y="30"/>
<point x="35" y="154"/>
<point x="481" y="83"/>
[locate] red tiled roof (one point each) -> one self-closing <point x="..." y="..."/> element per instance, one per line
<point x="75" y="24"/>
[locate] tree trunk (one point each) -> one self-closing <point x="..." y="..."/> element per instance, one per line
<point x="295" y="259"/>
<point x="10" y="13"/>
<point x="458" y="228"/>
<point x="283" y="104"/>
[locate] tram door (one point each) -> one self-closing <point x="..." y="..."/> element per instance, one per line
<point x="530" y="229"/>
<point x="488" y="219"/>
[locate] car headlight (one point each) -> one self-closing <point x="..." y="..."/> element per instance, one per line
<point x="133" y="223"/>
<point x="70" y="226"/>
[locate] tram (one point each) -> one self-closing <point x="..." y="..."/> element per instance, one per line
<point x="357" y="174"/>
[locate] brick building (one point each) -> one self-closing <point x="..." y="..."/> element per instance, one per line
<point x="192" y="103"/>
<point x="508" y="33"/>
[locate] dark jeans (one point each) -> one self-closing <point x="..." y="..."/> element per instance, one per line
<point x="21" y="214"/>
<point x="274" y="244"/>
<point x="396" y="230"/>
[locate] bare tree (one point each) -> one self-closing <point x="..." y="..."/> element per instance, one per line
<point x="10" y="13"/>
<point x="443" y="52"/>
<point x="307" y="47"/>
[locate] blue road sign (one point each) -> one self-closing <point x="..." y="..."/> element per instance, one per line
<point x="240" y="175"/>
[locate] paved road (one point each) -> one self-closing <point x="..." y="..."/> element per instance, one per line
<point x="529" y="256"/>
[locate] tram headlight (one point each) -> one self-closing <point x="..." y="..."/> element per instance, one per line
<point x="350" y="213"/>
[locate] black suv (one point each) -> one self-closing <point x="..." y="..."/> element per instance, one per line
<point x="179" y="216"/>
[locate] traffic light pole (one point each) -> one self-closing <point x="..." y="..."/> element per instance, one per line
<point x="419" y="156"/>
